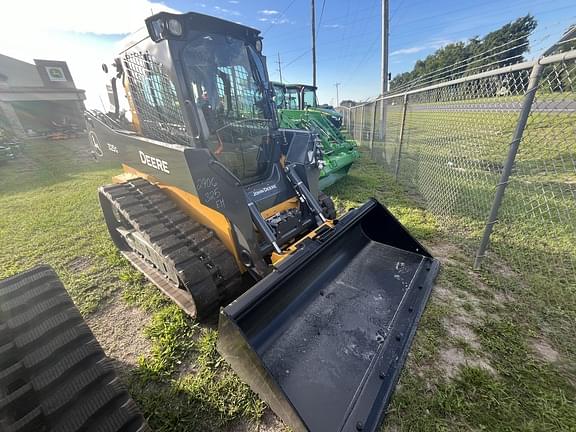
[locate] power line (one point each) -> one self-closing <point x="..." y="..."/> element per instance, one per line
<point x="468" y="30"/>
<point x="344" y="55"/>
<point x="463" y="66"/>
<point x="365" y="33"/>
<point x="367" y="55"/>
<point x="279" y="16"/>
<point x="373" y="17"/>
<point x="441" y="24"/>
<point x="395" y="11"/>
<point x="297" y="58"/>
<point x="321" y="15"/>
<point x="507" y="6"/>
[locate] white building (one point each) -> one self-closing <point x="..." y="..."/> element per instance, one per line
<point x="33" y="97"/>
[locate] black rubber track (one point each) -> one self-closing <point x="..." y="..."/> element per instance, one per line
<point x="328" y="208"/>
<point x="54" y="376"/>
<point x="186" y="252"/>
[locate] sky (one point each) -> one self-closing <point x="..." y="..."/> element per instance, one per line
<point x="87" y="33"/>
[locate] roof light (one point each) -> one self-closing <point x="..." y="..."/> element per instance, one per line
<point x="174" y="26"/>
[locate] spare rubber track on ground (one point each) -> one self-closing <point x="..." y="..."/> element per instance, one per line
<point x="54" y="376"/>
<point x="183" y="258"/>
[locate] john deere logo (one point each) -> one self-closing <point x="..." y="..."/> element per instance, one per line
<point x="55" y="73"/>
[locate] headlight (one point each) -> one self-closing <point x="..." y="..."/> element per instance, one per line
<point x="174" y="27"/>
<point x="259" y="45"/>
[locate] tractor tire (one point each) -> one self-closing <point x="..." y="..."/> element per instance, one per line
<point x="54" y="376"/>
<point x="328" y="208"/>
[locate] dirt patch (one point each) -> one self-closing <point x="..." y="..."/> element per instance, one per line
<point x="444" y="251"/>
<point x="79" y="264"/>
<point x="452" y="359"/>
<point x="504" y="270"/>
<point x="269" y="423"/>
<point x="187" y="367"/>
<point x="545" y="351"/>
<point x="459" y="327"/>
<point x="119" y="329"/>
<point x="465" y="312"/>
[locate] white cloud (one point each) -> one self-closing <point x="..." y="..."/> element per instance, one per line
<point x="332" y="26"/>
<point x="275" y="20"/>
<point x="227" y="11"/>
<point x="233" y="2"/>
<point x="437" y="44"/>
<point x="410" y="50"/>
<point x="59" y="30"/>
<point x="100" y="17"/>
<point x="440" y="43"/>
<point x="268" y="12"/>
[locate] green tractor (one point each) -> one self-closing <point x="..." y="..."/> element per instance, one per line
<point x="298" y="109"/>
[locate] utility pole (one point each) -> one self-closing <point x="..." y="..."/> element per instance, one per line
<point x="385" y="33"/>
<point x="280" y="68"/>
<point x="314" y="43"/>
<point x="384" y="89"/>
<point x="337" y="98"/>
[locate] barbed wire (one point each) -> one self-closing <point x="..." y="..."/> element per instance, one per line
<point x="442" y="73"/>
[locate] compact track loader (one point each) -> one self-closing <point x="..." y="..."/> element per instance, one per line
<point x="217" y="204"/>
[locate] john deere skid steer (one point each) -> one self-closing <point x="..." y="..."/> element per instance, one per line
<point x="298" y="108"/>
<point x="218" y="204"/>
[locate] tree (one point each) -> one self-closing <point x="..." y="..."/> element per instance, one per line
<point x="348" y="103"/>
<point x="457" y="59"/>
<point x="557" y="76"/>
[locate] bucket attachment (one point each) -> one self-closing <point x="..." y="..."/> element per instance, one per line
<point x="323" y="338"/>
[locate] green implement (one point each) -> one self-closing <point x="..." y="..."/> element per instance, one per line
<point x="298" y="109"/>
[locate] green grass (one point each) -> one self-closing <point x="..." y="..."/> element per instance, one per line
<point x="452" y="161"/>
<point x="50" y="214"/>
<point x="524" y="392"/>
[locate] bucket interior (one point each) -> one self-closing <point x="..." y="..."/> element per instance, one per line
<point x="324" y="327"/>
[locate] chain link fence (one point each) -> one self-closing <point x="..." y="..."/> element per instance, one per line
<point x="493" y="155"/>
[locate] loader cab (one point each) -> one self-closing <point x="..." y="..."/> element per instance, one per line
<point x="294" y="96"/>
<point x="279" y="95"/>
<point x="302" y="96"/>
<point x="202" y="82"/>
<point x="309" y="101"/>
<point x="308" y="97"/>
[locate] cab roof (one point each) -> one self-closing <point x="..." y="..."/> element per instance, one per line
<point x="198" y="21"/>
<point x="301" y="85"/>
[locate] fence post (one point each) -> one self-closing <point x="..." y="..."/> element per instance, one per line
<point x="401" y="137"/>
<point x="535" y="76"/>
<point x="350" y="122"/>
<point x="373" y="129"/>
<point x="362" y="125"/>
<point x="355" y="121"/>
